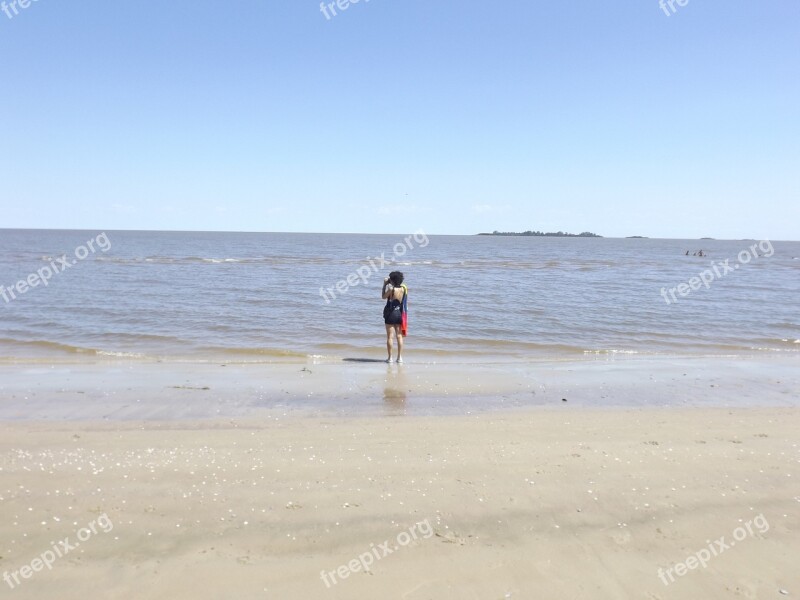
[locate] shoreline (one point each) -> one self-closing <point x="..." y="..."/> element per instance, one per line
<point x="134" y="390"/>
<point x="487" y="351"/>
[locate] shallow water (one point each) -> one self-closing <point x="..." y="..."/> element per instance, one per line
<point x="267" y="297"/>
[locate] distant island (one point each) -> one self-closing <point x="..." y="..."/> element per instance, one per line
<point x="542" y="234"/>
<point x="637" y="237"/>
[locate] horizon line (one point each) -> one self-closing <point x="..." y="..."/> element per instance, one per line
<point x="484" y="234"/>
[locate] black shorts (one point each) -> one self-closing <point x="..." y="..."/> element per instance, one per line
<point x="393" y="313"/>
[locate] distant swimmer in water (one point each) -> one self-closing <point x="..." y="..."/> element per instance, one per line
<point x="687" y="253"/>
<point x="700" y="253"/>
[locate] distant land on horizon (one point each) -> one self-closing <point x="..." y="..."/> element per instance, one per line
<point x="542" y="234"/>
<point x="495" y="233"/>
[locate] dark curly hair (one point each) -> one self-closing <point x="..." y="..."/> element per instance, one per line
<point x="396" y="277"/>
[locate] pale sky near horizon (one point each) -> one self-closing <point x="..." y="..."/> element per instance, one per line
<point x="400" y="115"/>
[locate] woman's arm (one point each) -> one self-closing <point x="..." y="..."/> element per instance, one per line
<point x="387" y="290"/>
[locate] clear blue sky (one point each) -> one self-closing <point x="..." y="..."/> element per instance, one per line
<point x="395" y="115"/>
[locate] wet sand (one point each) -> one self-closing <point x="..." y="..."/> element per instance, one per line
<point x="148" y="390"/>
<point x="549" y="500"/>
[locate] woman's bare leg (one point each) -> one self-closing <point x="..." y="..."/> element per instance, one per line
<point x="389" y="331"/>
<point x="399" y="335"/>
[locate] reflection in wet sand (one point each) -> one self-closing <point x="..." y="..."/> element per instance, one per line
<point x="395" y="392"/>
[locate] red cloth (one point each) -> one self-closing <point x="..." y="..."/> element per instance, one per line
<point x="404" y="325"/>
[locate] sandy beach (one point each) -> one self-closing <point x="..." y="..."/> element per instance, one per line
<point x="400" y="300"/>
<point x="558" y="500"/>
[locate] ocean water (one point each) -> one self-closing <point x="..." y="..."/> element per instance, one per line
<point x="273" y="296"/>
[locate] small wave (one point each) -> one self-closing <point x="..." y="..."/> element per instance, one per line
<point x="59" y="347"/>
<point x="611" y="351"/>
<point x="280" y="260"/>
<point x="46" y="345"/>
<point x="767" y="349"/>
<point x="773" y="342"/>
<point x="188" y="260"/>
<point x="120" y="354"/>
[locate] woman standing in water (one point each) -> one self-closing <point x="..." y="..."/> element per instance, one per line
<point x="394" y="292"/>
